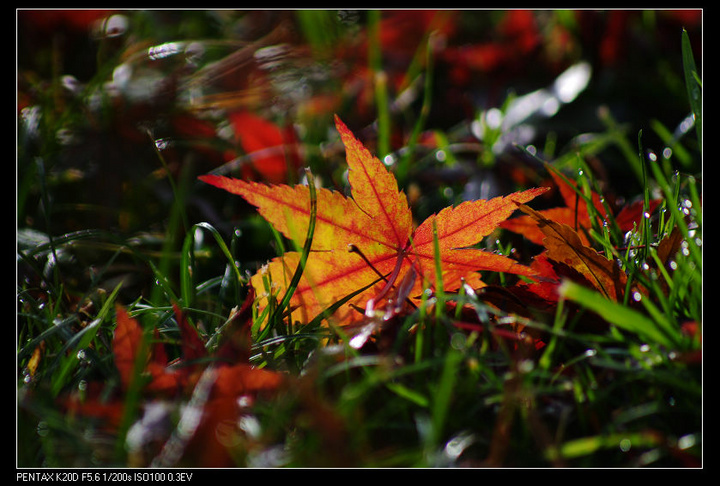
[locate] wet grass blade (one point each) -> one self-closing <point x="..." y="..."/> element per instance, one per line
<point x="79" y="342"/>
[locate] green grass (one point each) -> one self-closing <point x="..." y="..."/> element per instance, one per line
<point x="437" y="387"/>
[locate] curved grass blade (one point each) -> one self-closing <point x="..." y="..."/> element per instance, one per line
<point x="186" y="285"/>
<point x="303" y="255"/>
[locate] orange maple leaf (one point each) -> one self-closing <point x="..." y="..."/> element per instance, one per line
<point x="377" y="223"/>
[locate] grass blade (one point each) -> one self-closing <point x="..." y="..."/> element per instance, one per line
<point x="186" y="287"/>
<point x="305" y="252"/>
<point x="620" y="316"/>
<point x="694" y="86"/>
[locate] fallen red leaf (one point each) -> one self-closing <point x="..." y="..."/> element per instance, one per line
<point x="271" y="150"/>
<point x="575" y="213"/>
<point x="234" y="373"/>
<point x="126" y="341"/>
<point x="564" y="245"/>
<point x="377" y="224"/>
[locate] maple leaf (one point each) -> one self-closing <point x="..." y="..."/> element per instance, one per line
<point x="377" y="224"/>
<point x="271" y="150"/>
<point x="127" y="346"/>
<point x="575" y="213"/>
<point x="216" y="385"/>
<point x="564" y="245"/>
<point x="234" y="373"/>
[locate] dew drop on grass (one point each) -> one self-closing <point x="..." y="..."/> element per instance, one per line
<point x="625" y="445"/>
<point x="685" y="248"/>
<point x="686" y="441"/>
<point x="162" y="143"/>
<point x="42" y="429"/>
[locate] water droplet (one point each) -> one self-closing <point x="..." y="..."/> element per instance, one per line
<point x="441" y="156"/>
<point x="113" y="26"/>
<point x="686" y="124"/>
<point x="625" y="445"/>
<point x="686" y="441"/>
<point x="457" y="445"/>
<point x="162" y="143"/>
<point x="389" y="160"/>
<point x="163" y="50"/>
<point x="673" y="264"/>
<point x="525" y="366"/>
<point x="651" y="156"/>
<point x="458" y="340"/>
<point x="493" y="118"/>
<point x="42" y="429"/>
<point x="637" y="296"/>
<point x="667" y="152"/>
